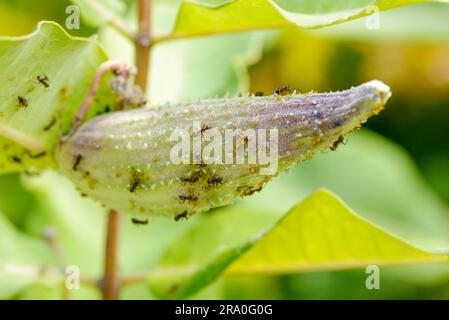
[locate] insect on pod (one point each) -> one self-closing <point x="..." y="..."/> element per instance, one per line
<point x="185" y="158"/>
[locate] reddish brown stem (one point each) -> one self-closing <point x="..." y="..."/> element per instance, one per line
<point x="143" y="44"/>
<point x="109" y="66"/>
<point x="111" y="280"/>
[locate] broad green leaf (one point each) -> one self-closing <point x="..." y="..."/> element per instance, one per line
<point x="197" y="20"/>
<point x="377" y="178"/>
<point x="209" y="17"/>
<point x="326" y="234"/>
<point x="204" y="17"/>
<point x="33" y="115"/>
<point x="322" y="6"/>
<point x="320" y="233"/>
<point x="212" y="3"/>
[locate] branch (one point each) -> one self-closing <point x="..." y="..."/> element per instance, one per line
<point x="134" y="278"/>
<point x="117" y="67"/>
<point x="41" y="272"/>
<point x="143" y="44"/>
<point x="111" y="280"/>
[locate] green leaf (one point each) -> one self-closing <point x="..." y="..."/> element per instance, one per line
<point x="33" y="113"/>
<point x="204" y="17"/>
<point x="209" y="17"/>
<point x="326" y="234"/>
<point x="390" y="190"/>
<point x="320" y="233"/>
<point x="322" y="6"/>
<point x="18" y="254"/>
<point x="212" y="3"/>
<point x="197" y="20"/>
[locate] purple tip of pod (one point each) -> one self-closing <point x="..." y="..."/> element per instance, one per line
<point x="355" y="104"/>
<point x="311" y="122"/>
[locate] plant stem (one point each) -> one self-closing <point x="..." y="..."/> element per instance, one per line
<point x="111" y="280"/>
<point x="109" y="66"/>
<point x="42" y="272"/>
<point x="143" y="44"/>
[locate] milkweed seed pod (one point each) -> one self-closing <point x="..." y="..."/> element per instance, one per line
<point x="181" y="159"/>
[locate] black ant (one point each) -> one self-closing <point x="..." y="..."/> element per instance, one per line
<point x="139" y="222"/>
<point x="134" y="184"/>
<point x="336" y="144"/>
<point x="43" y="80"/>
<point x="38" y="155"/>
<point x="202" y="164"/>
<point x="190" y="180"/>
<point x="188" y="197"/>
<point x="136" y="178"/>
<point x="282" y="91"/>
<point x="16" y="159"/>
<point x="204" y="128"/>
<point x="215" y="181"/>
<point x="183" y="215"/>
<point x="77" y="162"/>
<point x="22" y="101"/>
<point x="50" y="125"/>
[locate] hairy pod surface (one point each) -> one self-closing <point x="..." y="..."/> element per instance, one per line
<point x="126" y="161"/>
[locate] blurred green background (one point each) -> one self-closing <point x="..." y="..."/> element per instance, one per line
<point x="395" y="171"/>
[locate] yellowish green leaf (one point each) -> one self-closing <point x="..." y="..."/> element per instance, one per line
<point x="320" y="233"/>
<point x="45" y="77"/>
<point x="323" y="233"/>
<point x="205" y="17"/>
